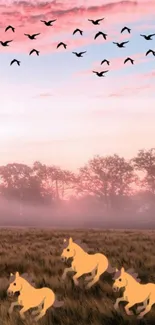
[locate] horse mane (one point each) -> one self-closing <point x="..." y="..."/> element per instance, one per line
<point x="79" y="242"/>
<point x="129" y="271"/>
<point x="25" y="276"/>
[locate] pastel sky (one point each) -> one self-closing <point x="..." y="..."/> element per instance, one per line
<point x="52" y="107"/>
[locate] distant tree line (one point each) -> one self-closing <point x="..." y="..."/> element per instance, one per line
<point x="109" y="183"/>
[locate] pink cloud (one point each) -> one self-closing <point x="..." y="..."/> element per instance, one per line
<point x="149" y="74"/>
<point x="42" y="95"/>
<point x="90" y="86"/>
<point x="127" y="91"/>
<point x="25" y="17"/>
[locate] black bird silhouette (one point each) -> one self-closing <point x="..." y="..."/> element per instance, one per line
<point x="48" y="23"/>
<point x="129" y="59"/>
<point x="13" y="61"/>
<point x="108" y="62"/>
<point x="5" y="43"/>
<point x="34" y="50"/>
<point x="33" y="36"/>
<point x="78" y="30"/>
<point x="147" y="37"/>
<point x="61" y="43"/>
<point x="9" y="27"/>
<point x="126" y="28"/>
<point x="121" y="44"/>
<point x="150" y="51"/>
<point x="79" y="55"/>
<point x="100" y="74"/>
<point x="100" y="33"/>
<point x="95" y="22"/>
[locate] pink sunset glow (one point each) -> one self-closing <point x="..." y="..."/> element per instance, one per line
<point x="41" y="113"/>
<point x="56" y="112"/>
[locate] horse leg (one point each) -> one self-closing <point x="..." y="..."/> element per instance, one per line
<point x="39" y="308"/>
<point x="129" y="305"/>
<point x="118" y="300"/>
<point x="100" y="270"/>
<point x="140" y="308"/>
<point x="22" y="311"/>
<point x="47" y="304"/>
<point x="90" y="277"/>
<point x="66" y="270"/>
<point x="147" y="309"/>
<point x="76" y="276"/>
<point x="12" y="306"/>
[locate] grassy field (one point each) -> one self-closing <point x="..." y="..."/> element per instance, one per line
<point x="38" y="253"/>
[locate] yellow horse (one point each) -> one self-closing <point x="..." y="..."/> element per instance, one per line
<point x="84" y="263"/>
<point x="134" y="293"/>
<point x="31" y="297"/>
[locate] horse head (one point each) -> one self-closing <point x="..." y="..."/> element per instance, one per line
<point x="15" y="285"/>
<point x="69" y="251"/>
<point x="120" y="280"/>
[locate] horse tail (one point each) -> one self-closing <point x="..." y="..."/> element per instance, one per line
<point x="111" y="269"/>
<point x="58" y="303"/>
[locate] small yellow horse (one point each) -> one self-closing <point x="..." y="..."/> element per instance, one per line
<point x="84" y="263"/>
<point x="135" y="292"/>
<point x="31" y="297"/>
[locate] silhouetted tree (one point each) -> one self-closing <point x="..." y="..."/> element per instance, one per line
<point x="41" y="172"/>
<point x="103" y="183"/>
<point x="144" y="162"/>
<point x="62" y="181"/>
<point x="54" y="180"/>
<point x="108" y="178"/>
<point x="19" y="183"/>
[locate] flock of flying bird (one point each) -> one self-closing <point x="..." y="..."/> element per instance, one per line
<point x="80" y="54"/>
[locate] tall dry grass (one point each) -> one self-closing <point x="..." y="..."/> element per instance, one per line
<point x="38" y="253"/>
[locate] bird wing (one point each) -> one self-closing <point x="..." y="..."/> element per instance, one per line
<point x="91" y="20"/>
<point x="94" y="71"/>
<point x="8" y="41"/>
<point x="149" y="51"/>
<point x="52" y="21"/>
<point x="151" y="35"/>
<point x="97" y="35"/>
<point x="125" y="42"/>
<point x="74" y="52"/>
<point x="115" y="43"/>
<point x="83" y="52"/>
<point x="142" y="35"/>
<point x="43" y="21"/>
<point x="123" y="29"/>
<point x="104" y="71"/>
<point x="7" y="28"/>
<point x="26" y="34"/>
<point x="100" y="19"/>
<point x="36" y="34"/>
<point x="126" y="60"/>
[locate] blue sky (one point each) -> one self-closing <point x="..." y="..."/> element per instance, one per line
<point x="53" y="107"/>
